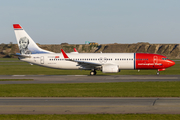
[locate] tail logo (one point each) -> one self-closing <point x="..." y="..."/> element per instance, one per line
<point x="23" y="45"/>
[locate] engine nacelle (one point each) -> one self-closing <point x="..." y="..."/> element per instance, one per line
<point x="110" y="69"/>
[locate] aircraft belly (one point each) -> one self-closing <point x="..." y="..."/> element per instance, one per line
<point x="68" y="65"/>
<point x="51" y="65"/>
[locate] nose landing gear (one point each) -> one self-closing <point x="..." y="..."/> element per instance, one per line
<point x="157" y="73"/>
<point x="160" y="70"/>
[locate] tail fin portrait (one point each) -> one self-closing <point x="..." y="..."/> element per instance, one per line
<point x="25" y="42"/>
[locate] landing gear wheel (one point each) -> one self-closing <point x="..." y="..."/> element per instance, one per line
<point x="93" y="73"/>
<point x="157" y="73"/>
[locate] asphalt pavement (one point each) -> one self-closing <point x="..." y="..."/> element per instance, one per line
<point x="40" y="79"/>
<point x="89" y="105"/>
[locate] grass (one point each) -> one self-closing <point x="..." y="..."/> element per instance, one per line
<point x="23" y="68"/>
<point x="93" y="117"/>
<point x="8" y="59"/>
<point x="122" y="89"/>
<point x="16" y="79"/>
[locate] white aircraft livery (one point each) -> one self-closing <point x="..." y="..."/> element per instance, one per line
<point x="105" y="62"/>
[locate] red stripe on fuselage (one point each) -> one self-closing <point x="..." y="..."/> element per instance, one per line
<point x="150" y="61"/>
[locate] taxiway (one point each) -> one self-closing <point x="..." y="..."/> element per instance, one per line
<point x="40" y="79"/>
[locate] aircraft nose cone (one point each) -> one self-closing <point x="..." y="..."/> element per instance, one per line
<point x="171" y="63"/>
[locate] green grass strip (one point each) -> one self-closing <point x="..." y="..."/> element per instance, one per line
<point x="93" y="117"/>
<point x="122" y="89"/>
<point x="16" y="79"/>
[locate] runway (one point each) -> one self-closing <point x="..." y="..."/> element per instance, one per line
<point x="89" y="105"/>
<point x="42" y="79"/>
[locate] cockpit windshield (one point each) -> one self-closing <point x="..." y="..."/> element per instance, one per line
<point x="164" y="58"/>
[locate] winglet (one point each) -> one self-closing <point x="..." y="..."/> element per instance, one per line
<point x="64" y="54"/>
<point x="75" y="50"/>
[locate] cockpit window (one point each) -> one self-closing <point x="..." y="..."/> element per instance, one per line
<point x="164" y="58"/>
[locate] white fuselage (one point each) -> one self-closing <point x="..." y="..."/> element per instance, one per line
<point x="56" y="60"/>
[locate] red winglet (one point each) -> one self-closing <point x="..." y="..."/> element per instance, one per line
<point x="17" y="26"/>
<point x="75" y="50"/>
<point x="64" y="54"/>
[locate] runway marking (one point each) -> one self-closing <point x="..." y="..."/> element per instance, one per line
<point x="18" y="75"/>
<point x="76" y="75"/>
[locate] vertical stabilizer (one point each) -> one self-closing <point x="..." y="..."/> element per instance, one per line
<point x="25" y="42"/>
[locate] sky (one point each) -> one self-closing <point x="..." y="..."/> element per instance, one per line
<point x="101" y="21"/>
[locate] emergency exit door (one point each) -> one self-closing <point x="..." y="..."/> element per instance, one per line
<point x="42" y="60"/>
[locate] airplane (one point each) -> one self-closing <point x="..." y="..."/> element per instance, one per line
<point x="105" y="62"/>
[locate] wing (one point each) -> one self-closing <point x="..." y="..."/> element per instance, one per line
<point x="83" y="64"/>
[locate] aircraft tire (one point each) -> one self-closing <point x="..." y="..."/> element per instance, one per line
<point x="93" y="73"/>
<point x="157" y="73"/>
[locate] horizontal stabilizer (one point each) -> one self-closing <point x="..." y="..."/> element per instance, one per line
<point x="24" y="56"/>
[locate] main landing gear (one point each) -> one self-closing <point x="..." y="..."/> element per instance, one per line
<point x="93" y="72"/>
<point x="157" y="73"/>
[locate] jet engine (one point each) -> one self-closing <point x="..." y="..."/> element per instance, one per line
<point x="110" y="68"/>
